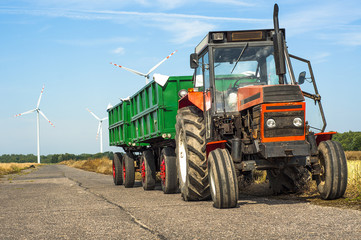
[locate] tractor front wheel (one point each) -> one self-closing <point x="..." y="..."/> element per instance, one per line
<point x="332" y="181"/>
<point x="222" y="179"/>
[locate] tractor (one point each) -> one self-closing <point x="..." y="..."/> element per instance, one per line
<point x="246" y="112"/>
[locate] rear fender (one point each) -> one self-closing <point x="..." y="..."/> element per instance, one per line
<point x="195" y="99"/>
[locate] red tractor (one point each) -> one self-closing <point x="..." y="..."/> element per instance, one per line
<point x="247" y="111"/>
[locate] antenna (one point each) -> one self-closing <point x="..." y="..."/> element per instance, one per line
<point x="100" y="129"/>
<point x="146" y="75"/>
<point x="37" y="110"/>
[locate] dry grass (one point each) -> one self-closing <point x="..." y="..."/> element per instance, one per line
<point x="99" y="165"/>
<point x="353" y="155"/>
<point x="353" y="191"/>
<point x="11" y="168"/>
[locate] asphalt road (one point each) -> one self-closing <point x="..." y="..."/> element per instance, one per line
<point x="59" y="202"/>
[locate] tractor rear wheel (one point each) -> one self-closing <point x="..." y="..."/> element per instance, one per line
<point x="117" y="169"/>
<point x="128" y="170"/>
<point x="332" y="181"/>
<point x="148" y="171"/>
<point x="191" y="154"/>
<point x="168" y="170"/>
<point x="222" y="179"/>
<point x="288" y="179"/>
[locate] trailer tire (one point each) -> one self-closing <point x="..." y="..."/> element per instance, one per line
<point x="332" y="181"/>
<point x="288" y="180"/>
<point x="168" y="171"/>
<point x="117" y="169"/>
<point x="128" y="170"/>
<point x="148" y="171"/>
<point x="222" y="179"/>
<point x="191" y="154"/>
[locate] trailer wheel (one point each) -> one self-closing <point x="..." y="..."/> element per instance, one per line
<point x="191" y="154"/>
<point x="148" y="170"/>
<point x="288" y="179"/>
<point x="128" y="170"/>
<point x="168" y="171"/>
<point x="332" y="181"/>
<point x="117" y="169"/>
<point x="222" y="179"/>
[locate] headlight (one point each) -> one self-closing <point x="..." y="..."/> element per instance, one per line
<point x="297" y="122"/>
<point x="271" y="123"/>
<point x="182" y="93"/>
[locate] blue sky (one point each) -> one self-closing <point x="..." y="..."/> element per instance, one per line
<point x="68" y="45"/>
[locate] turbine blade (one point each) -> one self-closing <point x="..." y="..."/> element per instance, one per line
<point x="30" y="111"/>
<point x="42" y="114"/>
<point x="130" y="70"/>
<point x="93" y="114"/>
<point x="98" y="130"/>
<point x="42" y="90"/>
<point x="104" y="118"/>
<point x="153" y="68"/>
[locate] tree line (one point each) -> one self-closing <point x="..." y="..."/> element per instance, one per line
<point x="52" y="158"/>
<point x="350" y="141"/>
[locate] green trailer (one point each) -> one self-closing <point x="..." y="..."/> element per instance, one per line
<point x="144" y="126"/>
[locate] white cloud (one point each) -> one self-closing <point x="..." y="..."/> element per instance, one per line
<point x="119" y="51"/>
<point x="233" y="2"/>
<point x="349" y="39"/>
<point x="320" y="57"/>
<point x="93" y="42"/>
<point x="185" y="30"/>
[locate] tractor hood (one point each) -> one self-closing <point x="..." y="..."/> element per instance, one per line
<point x="253" y="95"/>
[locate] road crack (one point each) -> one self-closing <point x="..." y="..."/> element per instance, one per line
<point x="132" y="217"/>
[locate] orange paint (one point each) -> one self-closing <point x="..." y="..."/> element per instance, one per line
<point x="245" y="93"/>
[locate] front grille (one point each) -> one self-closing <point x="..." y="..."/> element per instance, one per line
<point x="284" y="124"/>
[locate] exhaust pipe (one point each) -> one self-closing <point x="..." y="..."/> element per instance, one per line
<point x="278" y="44"/>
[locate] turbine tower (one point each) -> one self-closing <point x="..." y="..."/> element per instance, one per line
<point x="146" y="75"/>
<point x="100" y="129"/>
<point x="37" y="110"/>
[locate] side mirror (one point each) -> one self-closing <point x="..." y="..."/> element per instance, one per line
<point x="194" y="60"/>
<point x="301" y="77"/>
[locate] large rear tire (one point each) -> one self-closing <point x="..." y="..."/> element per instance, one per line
<point x="168" y="171"/>
<point x="148" y="171"/>
<point x="128" y="170"/>
<point x="288" y="180"/>
<point x="117" y="169"/>
<point x="332" y="181"/>
<point x="191" y="154"/>
<point x="222" y="179"/>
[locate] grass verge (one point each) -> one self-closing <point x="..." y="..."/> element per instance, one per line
<point x="11" y="168"/>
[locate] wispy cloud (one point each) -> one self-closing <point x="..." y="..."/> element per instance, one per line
<point x="119" y="51"/>
<point x="320" y="57"/>
<point x="326" y="21"/>
<point x="183" y="26"/>
<point x="183" y="31"/>
<point x="93" y="42"/>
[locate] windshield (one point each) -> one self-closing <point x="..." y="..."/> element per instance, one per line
<point x="238" y="67"/>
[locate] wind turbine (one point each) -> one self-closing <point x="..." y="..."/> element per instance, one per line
<point x="37" y="110"/>
<point x="100" y="129"/>
<point x="146" y="75"/>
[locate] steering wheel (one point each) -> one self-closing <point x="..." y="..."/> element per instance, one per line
<point x="248" y="77"/>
